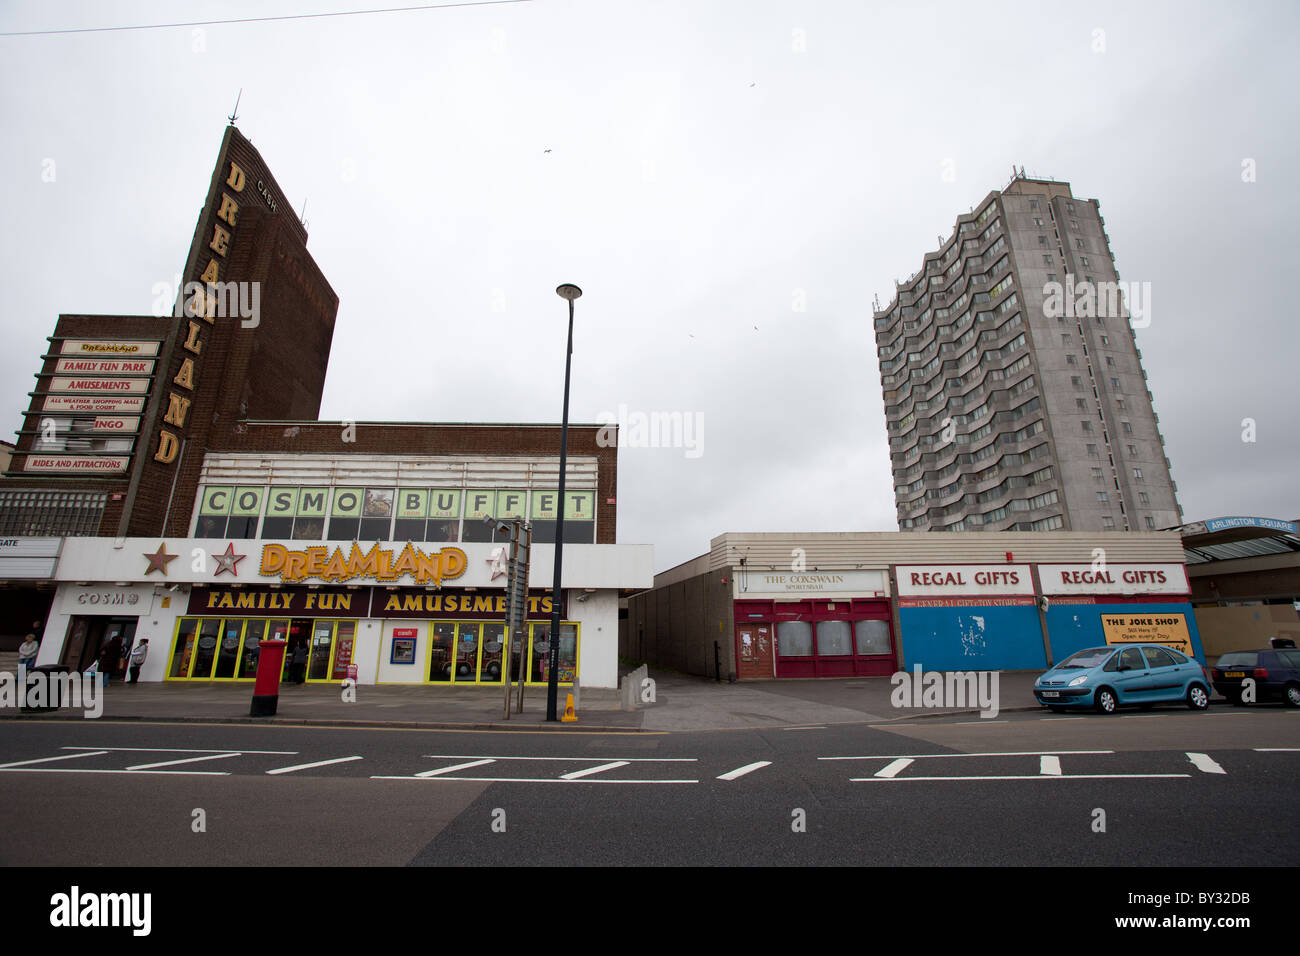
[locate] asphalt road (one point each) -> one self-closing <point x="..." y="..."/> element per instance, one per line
<point x="1170" y="787"/>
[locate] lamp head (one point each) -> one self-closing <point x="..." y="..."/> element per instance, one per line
<point x="568" y="291"/>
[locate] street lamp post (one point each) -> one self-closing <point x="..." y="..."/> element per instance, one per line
<point x="570" y="292"/>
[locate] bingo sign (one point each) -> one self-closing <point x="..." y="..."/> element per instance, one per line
<point x="1167" y="629"/>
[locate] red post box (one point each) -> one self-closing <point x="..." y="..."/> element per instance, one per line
<point x="266" y="688"/>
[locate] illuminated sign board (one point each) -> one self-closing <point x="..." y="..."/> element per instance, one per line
<point x="1268" y="524"/>
<point x="1103" y="578"/>
<point x="947" y="580"/>
<point x="82" y="464"/>
<point x="94" y="366"/>
<point x="102" y="386"/>
<point x="122" y="349"/>
<point x="378" y="564"/>
<point x="93" y="404"/>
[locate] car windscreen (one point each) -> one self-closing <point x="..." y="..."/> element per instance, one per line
<point x="1092" y="657"/>
<point x="1238" y="659"/>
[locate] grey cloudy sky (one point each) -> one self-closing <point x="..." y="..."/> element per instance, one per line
<point x="731" y="182"/>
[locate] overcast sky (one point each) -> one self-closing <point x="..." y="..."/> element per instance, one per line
<point x="731" y="183"/>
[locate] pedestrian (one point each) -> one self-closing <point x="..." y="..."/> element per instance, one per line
<point x="299" y="673"/>
<point x="108" y="656"/>
<point x="138" y="654"/>
<point x="27" y="652"/>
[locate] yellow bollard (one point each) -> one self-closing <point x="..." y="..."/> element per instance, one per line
<point x="569" y="716"/>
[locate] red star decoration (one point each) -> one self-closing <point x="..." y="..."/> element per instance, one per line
<point x="158" y="560"/>
<point x="228" y="560"/>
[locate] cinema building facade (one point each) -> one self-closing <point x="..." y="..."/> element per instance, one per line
<point x="172" y="481"/>
<point x="857" y="604"/>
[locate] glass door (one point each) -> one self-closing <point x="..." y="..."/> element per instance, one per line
<point x="442" y="641"/>
<point x="490" y="667"/>
<point x="322" y="644"/>
<point x="467" y="653"/>
<point x="345" y="635"/>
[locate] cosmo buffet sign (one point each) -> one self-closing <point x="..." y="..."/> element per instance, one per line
<point x="1103" y="578"/>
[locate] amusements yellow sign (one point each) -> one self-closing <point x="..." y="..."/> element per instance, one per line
<point x="1169" y="629"/>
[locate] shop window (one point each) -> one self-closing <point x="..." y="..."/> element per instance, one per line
<point x="491" y="653"/>
<point x="834" y="639"/>
<point x="361" y="514"/>
<point x="442" y="641"/>
<point x="575" y="532"/>
<point x="794" y="639"/>
<point x="466" y="665"/>
<point x="206" y="649"/>
<point x="872" y="637"/>
<point x="541" y="648"/>
<point x="183" y="649"/>
<point x="254" y="632"/>
<point x="228" y="652"/>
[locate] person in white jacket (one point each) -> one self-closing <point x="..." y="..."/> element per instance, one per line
<point x="27" y="652"/>
<point x="138" y="654"/>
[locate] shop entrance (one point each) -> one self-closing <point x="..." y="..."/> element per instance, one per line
<point x="102" y="640"/>
<point x="754" y="651"/>
<point x="842" y="638"/>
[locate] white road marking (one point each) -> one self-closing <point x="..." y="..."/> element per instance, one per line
<point x="741" y="771"/>
<point x="570" y="759"/>
<point x="1049" y="765"/>
<point x="177" y="773"/>
<point x="1010" y="753"/>
<point x="892" y="769"/>
<point x="1277" y="750"/>
<point x="1130" y="716"/>
<point x="458" y="766"/>
<point x="311" y="766"/>
<point x="525" y="780"/>
<point x="24" y="763"/>
<point x="977" y="723"/>
<point x="1072" y="776"/>
<point x="1204" y="763"/>
<point x="184" y="750"/>
<point x="577" y="774"/>
<point x="172" y="763"/>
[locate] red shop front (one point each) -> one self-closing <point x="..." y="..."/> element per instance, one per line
<point x="846" y="638"/>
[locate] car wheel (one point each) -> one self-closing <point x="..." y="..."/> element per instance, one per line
<point x="1198" y="698"/>
<point x="494" y="671"/>
<point x="463" y="670"/>
<point x="1291" y="694"/>
<point x="1106" y="700"/>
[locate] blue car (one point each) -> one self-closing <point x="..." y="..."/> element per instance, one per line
<point x="1107" y="678"/>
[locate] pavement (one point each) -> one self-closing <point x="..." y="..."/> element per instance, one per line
<point x="681" y="703"/>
